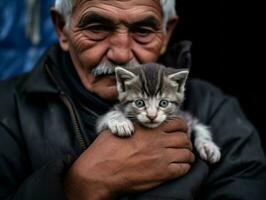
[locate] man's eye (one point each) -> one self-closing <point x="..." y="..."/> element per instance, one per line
<point x="97" y="32"/>
<point x="143" y="34"/>
<point x="98" y="28"/>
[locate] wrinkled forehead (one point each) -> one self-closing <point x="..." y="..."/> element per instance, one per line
<point x="127" y="11"/>
<point x="123" y="5"/>
<point x="83" y="1"/>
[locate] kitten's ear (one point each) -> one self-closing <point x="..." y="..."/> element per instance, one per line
<point x="179" y="78"/>
<point x="123" y="75"/>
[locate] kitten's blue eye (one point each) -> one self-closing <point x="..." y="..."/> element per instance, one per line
<point x="139" y="103"/>
<point x="164" y="103"/>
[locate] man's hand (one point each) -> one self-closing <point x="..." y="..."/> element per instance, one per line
<point x="114" y="166"/>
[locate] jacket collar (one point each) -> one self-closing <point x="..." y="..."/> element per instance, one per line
<point x="44" y="77"/>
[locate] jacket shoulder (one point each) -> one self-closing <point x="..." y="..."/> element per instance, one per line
<point x="8" y="94"/>
<point x="203" y="98"/>
<point x="203" y="88"/>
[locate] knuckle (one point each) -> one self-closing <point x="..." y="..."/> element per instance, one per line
<point x="182" y="124"/>
<point x="188" y="144"/>
<point x="191" y="157"/>
<point x="179" y="170"/>
<point x="173" y="171"/>
<point x="187" y="154"/>
<point x="184" y="168"/>
<point x="187" y="140"/>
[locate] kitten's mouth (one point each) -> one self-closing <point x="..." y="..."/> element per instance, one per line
<point x="152" y="124"/>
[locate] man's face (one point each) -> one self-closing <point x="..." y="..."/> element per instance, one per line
<point x="113" y="31"/>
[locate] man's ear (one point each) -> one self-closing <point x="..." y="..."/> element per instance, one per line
<point x="60" y="28"/>
<point x="171" y="24"/>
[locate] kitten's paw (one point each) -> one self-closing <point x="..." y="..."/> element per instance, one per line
<point x="122" y="128"/>
<point x="209" y="151"/>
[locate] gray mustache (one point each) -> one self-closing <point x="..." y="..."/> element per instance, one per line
<point x="109" y="68"/>
<point x="103" y="69"/>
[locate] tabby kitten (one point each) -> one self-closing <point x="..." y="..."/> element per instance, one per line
<point x="151" y="94"/>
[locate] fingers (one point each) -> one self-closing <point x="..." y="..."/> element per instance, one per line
<point x="180" y="162"/>
<point x="176" y="170"/>
<point x="179" y="156"/>
<point x="176" y="124"/>
<point x="176" y="140"/>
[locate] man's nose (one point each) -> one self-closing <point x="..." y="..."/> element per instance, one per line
<point x="120" y="51"/>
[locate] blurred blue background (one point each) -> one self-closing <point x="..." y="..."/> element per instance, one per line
<point x="18" y="50"/>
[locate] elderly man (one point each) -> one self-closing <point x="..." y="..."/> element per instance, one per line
<point x="48" y="146"/>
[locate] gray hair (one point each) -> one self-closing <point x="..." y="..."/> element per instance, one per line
<point x="65" y="7"/>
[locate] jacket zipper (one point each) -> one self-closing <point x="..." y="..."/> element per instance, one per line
<point x="76" y="123"/>
<point x="74" y="116"/>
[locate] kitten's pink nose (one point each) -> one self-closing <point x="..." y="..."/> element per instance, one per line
<point x="151" y="116"/>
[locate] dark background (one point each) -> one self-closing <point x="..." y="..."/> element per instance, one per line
<point x="228" y="50"/>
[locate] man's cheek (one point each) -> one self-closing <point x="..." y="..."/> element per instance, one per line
<point x="147" y="54"/>
<point x="108" y="93"/>
<point x="105" y="87"/>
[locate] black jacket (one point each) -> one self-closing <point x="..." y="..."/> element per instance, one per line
<point x="41" y="134"/>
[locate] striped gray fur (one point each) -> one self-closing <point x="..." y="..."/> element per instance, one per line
<point x="151" y="94"/>
<point x="151" y="77"/>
